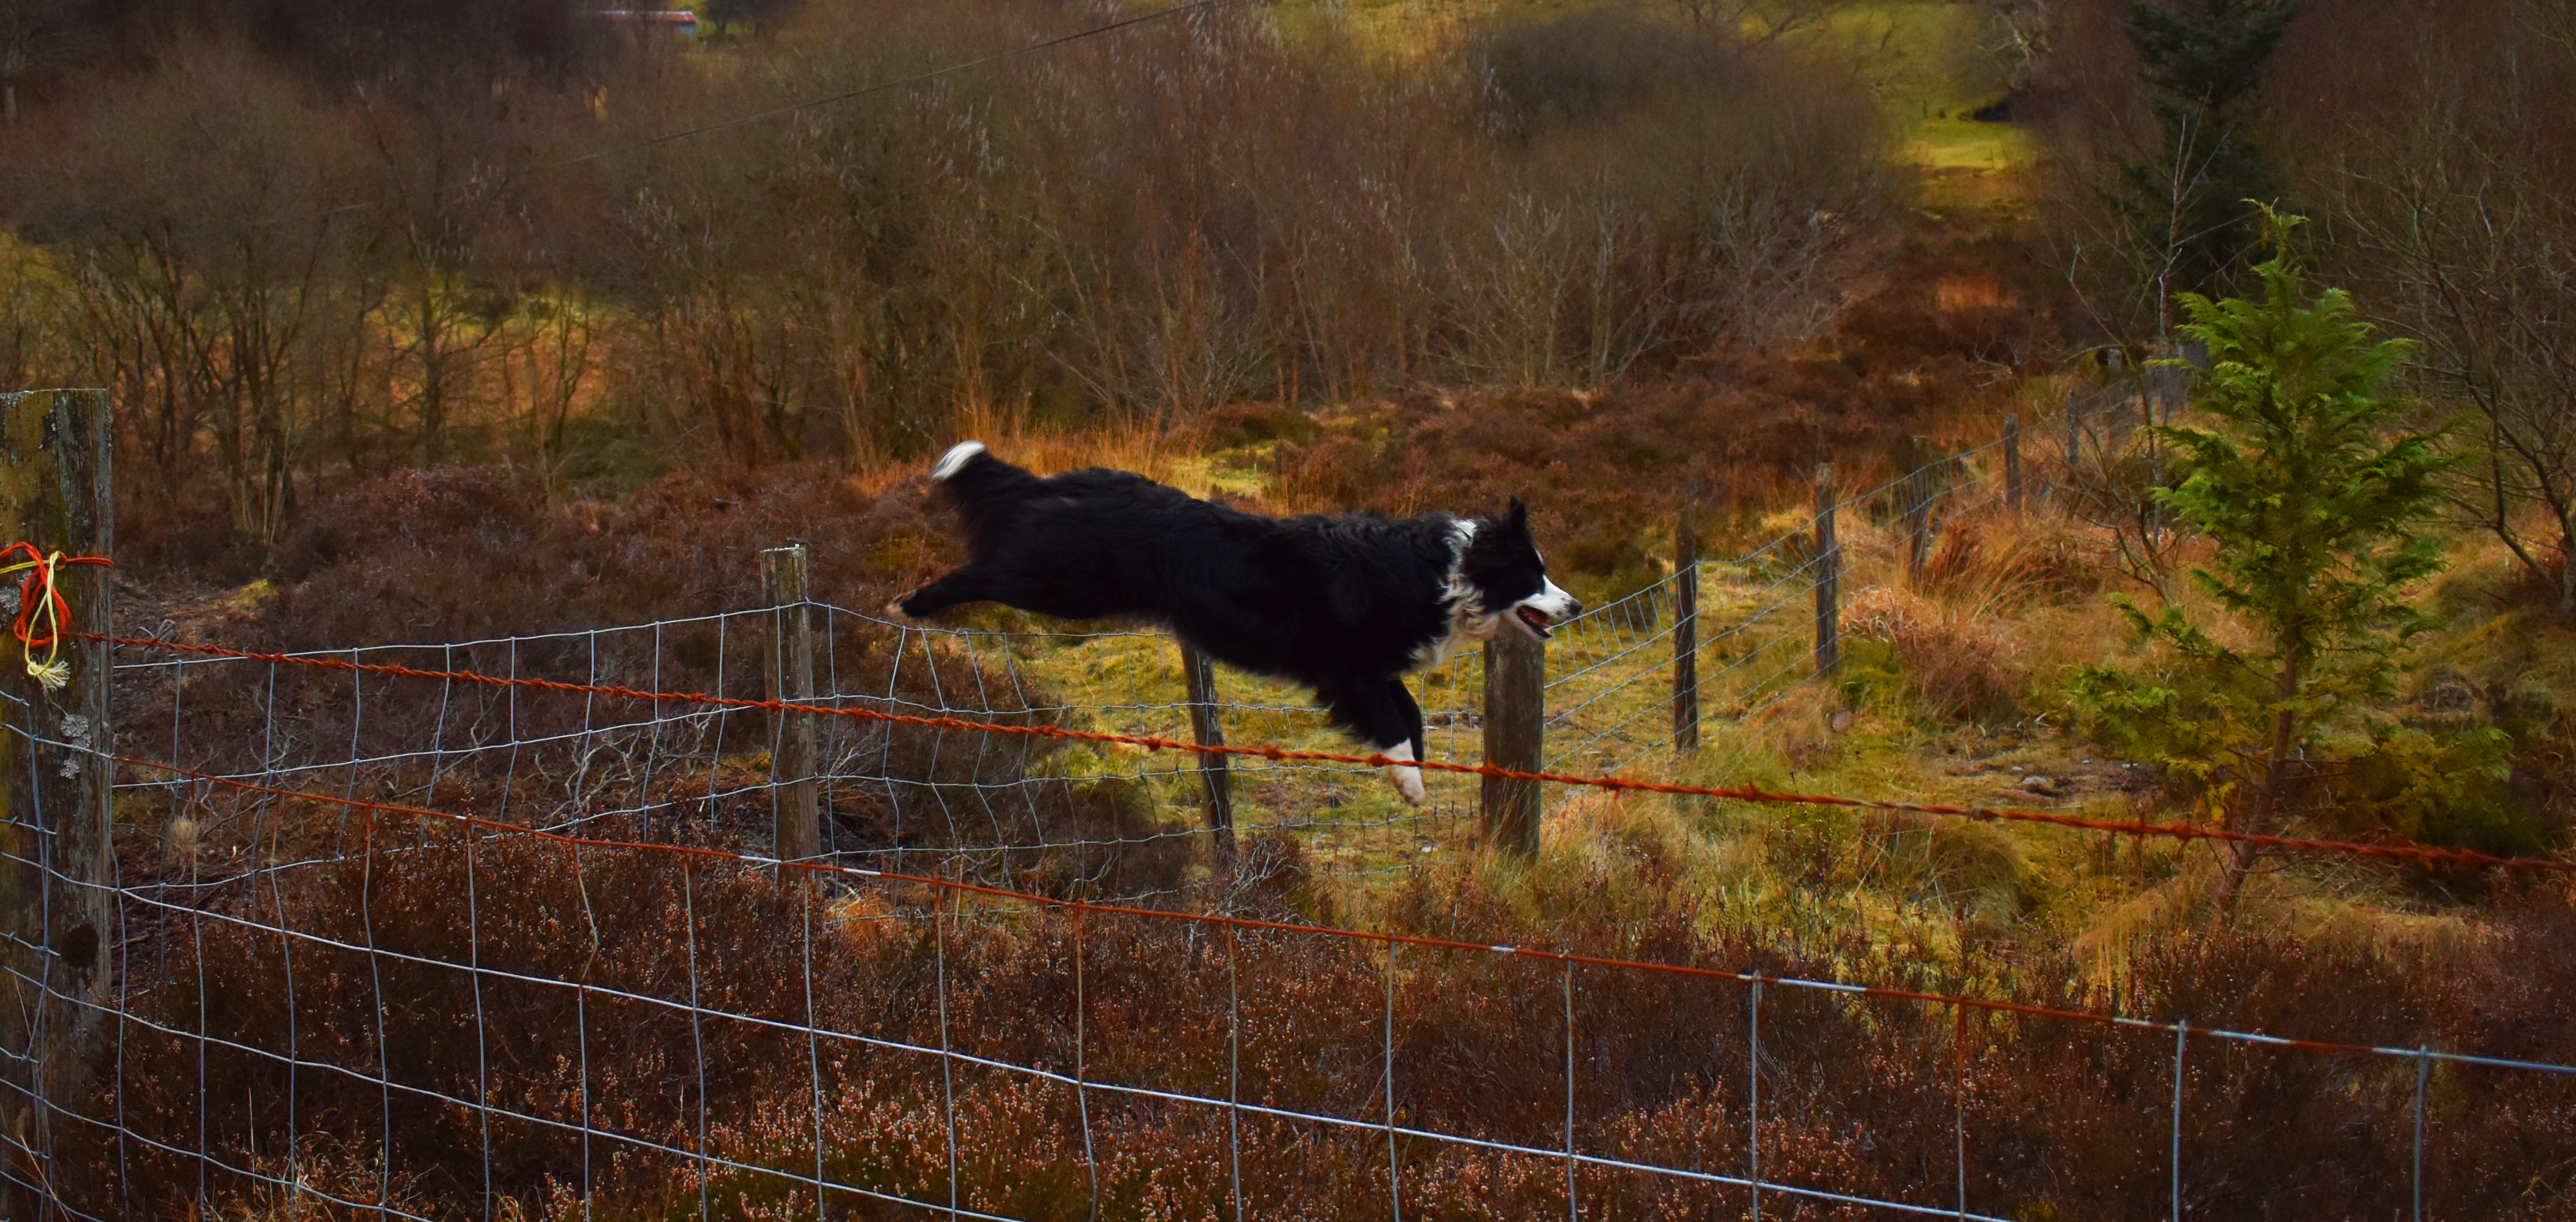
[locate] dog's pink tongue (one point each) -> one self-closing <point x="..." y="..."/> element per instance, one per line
<point x="1531" y="616"/>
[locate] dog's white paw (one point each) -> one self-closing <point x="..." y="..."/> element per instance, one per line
<point x="1407" y="781"/>
<point x="894" y="610"/>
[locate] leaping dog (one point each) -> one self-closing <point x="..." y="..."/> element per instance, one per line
<point x="1342" y="605"/>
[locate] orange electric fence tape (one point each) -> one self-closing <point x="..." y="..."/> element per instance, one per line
<point x="2412" y="853"/>
<point x="40" y="599"/>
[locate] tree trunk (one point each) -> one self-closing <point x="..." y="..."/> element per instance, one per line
<point x="2567" y="567"/>
<point x="2257" y="819"/>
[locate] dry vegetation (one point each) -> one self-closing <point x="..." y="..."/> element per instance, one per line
<point x="1063" y="236"/>
<point x="1619" y="262"/>
<point x="2068" y="1120"/>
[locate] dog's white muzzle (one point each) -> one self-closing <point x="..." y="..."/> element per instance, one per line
<point x="1550" y="605"/>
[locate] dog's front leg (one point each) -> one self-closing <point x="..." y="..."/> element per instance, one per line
<point x="965" y="585"/>
<point x="1382" y="714"/>
<point x="1407" y="780"/>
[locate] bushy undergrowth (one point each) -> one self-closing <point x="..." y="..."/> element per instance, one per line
<point x="428" y="558"/>
<point x="1955" y="665"/>
<point x="1187" y="213"/>
<point x="2062" y="1119"/>
<point x="1607" y="473"/>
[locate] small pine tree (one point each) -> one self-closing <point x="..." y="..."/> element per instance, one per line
<point x="2313" y="508"/>
<point x="2185" y="204"/>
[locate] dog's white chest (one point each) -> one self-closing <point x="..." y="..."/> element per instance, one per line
<point x="1467" y="621"/>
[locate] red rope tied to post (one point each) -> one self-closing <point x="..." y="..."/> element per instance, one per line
<point x="40" y="599"/>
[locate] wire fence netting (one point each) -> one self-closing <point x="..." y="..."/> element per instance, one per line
<point x="396" y="945"/>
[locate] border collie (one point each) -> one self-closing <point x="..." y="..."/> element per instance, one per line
<point x="1342" y="605"/>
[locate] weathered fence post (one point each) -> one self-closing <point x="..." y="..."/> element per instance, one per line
<point x="2074" y="434"/>
<point x="1515" y="721"/>
<point x="2012" y="461"/>
<point x="1918" y="513"/>
<point x="1214" y="777"/>
<point x="795" y="811"/>
<point x="1829" y="560"/>
<point x="1685" y="633"/>
<point x="57" y="863"/>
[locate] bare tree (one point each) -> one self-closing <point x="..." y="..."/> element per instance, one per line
<point x="2482" y="272"/>
<point x="2456" y="217"/>
<point x="2024" y="33"/>
<point x="33" y="33"/>
<point x="1754" y="22"/>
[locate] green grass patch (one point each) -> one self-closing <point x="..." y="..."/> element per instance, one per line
<point x="1928" y="65"/>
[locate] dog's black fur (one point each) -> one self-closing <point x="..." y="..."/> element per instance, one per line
<point x="1343" y="605"/>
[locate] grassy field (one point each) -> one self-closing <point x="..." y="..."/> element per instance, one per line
<point x="1930" y="63"/>
<point x="1608" y="707"/>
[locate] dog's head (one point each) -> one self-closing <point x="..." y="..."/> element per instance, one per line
<point x="1510" y="578"/>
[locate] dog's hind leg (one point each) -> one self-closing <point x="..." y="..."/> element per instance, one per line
<point x="1382" y="714"/>
<point x="966" y="585"/>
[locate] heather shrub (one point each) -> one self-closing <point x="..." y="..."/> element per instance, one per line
<point x="1862" y="1095"/>
<point x="1192" y="213"/>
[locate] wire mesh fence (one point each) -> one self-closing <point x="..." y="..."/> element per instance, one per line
<point x="480" y="1020"/>
<point x="1105" y="822"/>
<point x="391" y="944"/>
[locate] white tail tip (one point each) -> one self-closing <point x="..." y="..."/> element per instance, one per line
<point x="955" y="458"/>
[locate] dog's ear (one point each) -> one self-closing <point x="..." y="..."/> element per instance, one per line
<point x="1516" y="517"/>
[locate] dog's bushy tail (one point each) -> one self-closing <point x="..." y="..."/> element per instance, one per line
<point x="980" y="486"/>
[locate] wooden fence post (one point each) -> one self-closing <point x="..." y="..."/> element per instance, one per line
<point x="1918" y="514"/>
<point x="2074" y="434"/>
<point x="1829" y="560"/>
<point x="1515" y="728"/>
<point x="57" y="863"/>
<point x="2012" y="461"/>
<point x="1685" y="633"/>
<point x="1215" y="778"/>
<point x="795" y="809"/>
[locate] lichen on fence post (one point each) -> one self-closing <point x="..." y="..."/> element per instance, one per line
<point x="795" y="807"/>
<point x="1685" y="633"/>
<point x="1215" y="778"/>
<point x="2012" y="461"/>
<point x="57" y="864"/>
<point x="1829" y="559"/>
<point x="1515" y="717"/>
<point x="1918" y="485"/>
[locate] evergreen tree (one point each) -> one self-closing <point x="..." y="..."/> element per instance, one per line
<point x="2313" y="509"/>
<point x="2185" y="206"/>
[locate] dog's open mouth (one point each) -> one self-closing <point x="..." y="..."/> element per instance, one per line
<point x="1533" y="619"/>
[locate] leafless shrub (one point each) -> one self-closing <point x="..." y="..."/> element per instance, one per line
<point x="1192" y="213"/>
<point x="2447" y="195"/>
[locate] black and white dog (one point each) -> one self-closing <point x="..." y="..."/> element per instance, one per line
<point x="1343" y="605"/>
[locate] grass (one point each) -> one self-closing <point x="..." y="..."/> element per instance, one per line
<point x="1609" y="702"/>
<point x="1926" y="61"/>
<point x="2033" y="913"/>
<point x="1926" y="65"/>
<point x="2052" y="915"/>
<point x="1888" y="726"/>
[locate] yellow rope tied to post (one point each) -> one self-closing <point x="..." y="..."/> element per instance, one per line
<point x="40" y="598"/>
